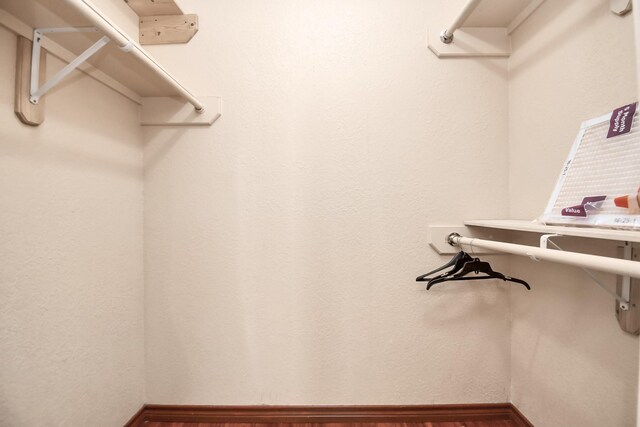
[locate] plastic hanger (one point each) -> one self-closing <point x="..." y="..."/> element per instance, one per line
<point x="457" y="262"/>
<point x="475" y="266"/>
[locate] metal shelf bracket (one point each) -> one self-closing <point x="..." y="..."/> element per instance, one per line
<point x="36" y="90"/>
<point x="629" y="289"/>
<point x="626" y="280"/>
<point x="624" y="298"/>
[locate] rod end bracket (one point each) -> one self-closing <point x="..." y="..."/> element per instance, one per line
<point x="451" y="239"/>
<point x="445" y="37"/>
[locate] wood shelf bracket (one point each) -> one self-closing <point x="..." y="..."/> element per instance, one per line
<point x="173" y="111"/>
<point x="28" y="113"/>
<point x="163" y="22"/>
<point x="168" y="29"/>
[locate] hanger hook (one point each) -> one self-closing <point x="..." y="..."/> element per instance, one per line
<point x="473" y="252"/>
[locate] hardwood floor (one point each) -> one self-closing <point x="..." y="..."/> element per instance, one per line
<point x="461" y="415"/>
<point x="465" y="424"/>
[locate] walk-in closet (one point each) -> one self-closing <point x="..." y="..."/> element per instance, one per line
<point x="319" y="213"/>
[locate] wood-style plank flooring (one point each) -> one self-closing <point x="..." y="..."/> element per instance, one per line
<point x="448" y="424"/>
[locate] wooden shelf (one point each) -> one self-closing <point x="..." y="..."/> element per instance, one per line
<point x="502" y="13"/>
<point x="117" y="69"/>
<point x="483" y="33"/>
<point x="154" y="7"/>
<point x="533" y="227"/>
<point x="122" y="64"/>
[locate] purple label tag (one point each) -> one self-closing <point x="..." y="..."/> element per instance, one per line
<point x="581" y="210"/>
<point x="621" y="120"/>
<point x="575" y="211"/>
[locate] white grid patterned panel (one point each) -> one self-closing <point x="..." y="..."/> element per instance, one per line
<point x="599" y="167"/>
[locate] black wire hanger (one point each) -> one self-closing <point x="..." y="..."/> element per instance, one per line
<point x="475" y="266"/>
<point x="457" y="262"/>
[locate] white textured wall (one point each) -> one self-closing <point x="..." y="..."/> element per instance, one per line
<point x="636" y="20"/>
<point x="283" y="242"/>
<point x="71" y="276"/>
<point x="571" y="364"/>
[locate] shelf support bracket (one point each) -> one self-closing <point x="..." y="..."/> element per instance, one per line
<point x="544" y="240"/>
<point x="627" y="252"/>
<point x="624" y="297"/>
<point x="37" y="91"/>
<point x="626" y="294"/>
<point x="629" y="288"/>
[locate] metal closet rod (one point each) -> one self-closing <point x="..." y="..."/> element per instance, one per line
<point x="118" y="36"/>
<point x="595" y="262"/>
<point x="447" y="35"/>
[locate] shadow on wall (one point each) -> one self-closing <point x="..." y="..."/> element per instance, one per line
<point x="495" y="65"/>
<point x="72" y="137"/>
<point x="545" y="20"/>
<point x="45" y="149"/>
<point x="162" y="146"/>
<point x="75" y="153"/>
<point x="193" y="230"/>
<point x="473" y="300"/>
<point x="563" y="349"/>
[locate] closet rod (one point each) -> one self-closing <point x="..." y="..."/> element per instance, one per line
<point x="98" y="20"/>
<point x="447" y="35"/>
<point x="595" y="262"/>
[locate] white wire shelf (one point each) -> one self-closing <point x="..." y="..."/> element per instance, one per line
<point x="533" y="227"/>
